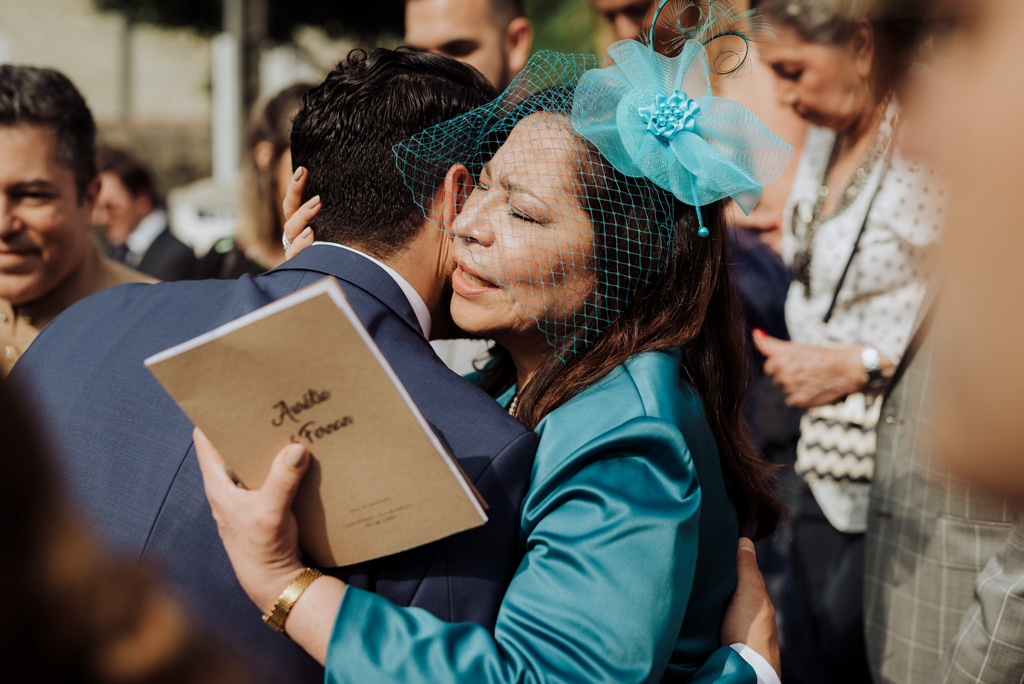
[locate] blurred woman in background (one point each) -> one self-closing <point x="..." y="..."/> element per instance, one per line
<point x="256" y="246"/>
<point x="860" y="232"/>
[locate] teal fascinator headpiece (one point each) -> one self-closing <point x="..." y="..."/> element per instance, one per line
<point x="656" y="117"/>
<point x="578" y="172"/>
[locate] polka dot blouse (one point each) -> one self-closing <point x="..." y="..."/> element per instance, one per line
<point x="879" y="300"/>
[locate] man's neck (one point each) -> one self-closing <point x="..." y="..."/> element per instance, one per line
<point x="424" y="262"/>
<point x="422" y="273"/>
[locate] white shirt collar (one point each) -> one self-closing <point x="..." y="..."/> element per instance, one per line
<point x="419" y="307"/>
<point x="149" y="228"/>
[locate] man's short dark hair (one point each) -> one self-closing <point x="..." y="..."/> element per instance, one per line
<point x="506" y="10"/>
<point x="346" y="128"/>
<point x="44" y="97"/>
<point x="133" y="174"/>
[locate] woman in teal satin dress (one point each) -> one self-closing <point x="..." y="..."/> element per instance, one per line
<point x="610" y="301"/>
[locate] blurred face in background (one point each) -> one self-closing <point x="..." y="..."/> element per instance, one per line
<point x="44" y="225"/>
<point x="978" y="141"/>
<point x="826" y="85"/>
<point x="279" y="166"/>
<point x="628" y="19"/>
<point x="471" y="32"/>
<point x="118" y="212"/>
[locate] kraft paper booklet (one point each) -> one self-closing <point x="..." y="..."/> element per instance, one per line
<point x="304" y="370"/>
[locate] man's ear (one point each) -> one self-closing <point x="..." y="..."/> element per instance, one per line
<point x="144" y="203"/>
<point x="862" y="45"/>
<point x="518" y="39"/>
<point x="457" y="186"/>
<point x="91" y="194"/>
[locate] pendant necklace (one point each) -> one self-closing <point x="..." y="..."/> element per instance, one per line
<point x="813" y="218"/>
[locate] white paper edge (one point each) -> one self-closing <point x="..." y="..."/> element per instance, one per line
<point x="330" y="287"/>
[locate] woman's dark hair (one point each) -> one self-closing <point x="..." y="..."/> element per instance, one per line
<point x="689" y="304"/>
<point x="896" y="24"/>
<point x="345" y="130"/>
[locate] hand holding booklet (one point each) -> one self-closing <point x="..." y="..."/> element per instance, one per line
<point x="304" y="370"/>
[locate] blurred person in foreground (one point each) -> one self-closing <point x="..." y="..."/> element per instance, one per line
<point x="256" y="245"/>
<point x="130" y="213"/>
<point x="492" y="36"/>
<point x="82" y="616"/>
<point x="48" y="187"/>
<point x="860" y="232"/>
<point x="931" y="534"/>
<point x="980" y="147"/>
<point x="980" y="432"/>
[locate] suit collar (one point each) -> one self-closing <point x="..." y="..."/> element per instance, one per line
<point x="145" y="234"/>
<point x="419" y="307"/>
<point x="357" y="270"/>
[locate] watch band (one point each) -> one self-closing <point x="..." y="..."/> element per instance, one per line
<point x="277" y="616"/>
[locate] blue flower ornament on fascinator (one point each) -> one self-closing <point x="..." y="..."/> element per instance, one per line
<point x="657" y="117"/>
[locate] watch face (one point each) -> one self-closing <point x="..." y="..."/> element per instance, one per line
<point x="870" y="358"/>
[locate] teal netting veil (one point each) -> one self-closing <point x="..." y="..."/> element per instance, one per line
<point x="549" y="221"/>
<point x="578" y="170"/>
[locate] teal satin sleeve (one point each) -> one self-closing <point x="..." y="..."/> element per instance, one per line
<point x="611" y="543"/>
<point x="725" y="666"/>
<point x="599" y="596"/>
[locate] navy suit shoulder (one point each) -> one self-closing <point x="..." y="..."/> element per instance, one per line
<point x="125" y="449"/>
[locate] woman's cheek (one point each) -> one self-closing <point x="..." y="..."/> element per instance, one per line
<point x="512" y="264"/>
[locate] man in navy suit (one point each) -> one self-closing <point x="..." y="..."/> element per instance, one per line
<point x="130" y="213"/>
<point x="125" y="449"/>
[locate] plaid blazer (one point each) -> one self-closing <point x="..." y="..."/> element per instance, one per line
<point x="990" y="644"/>
<point x="929" y="537"/>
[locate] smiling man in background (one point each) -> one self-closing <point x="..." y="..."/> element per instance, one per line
<point x="48" y="186"/>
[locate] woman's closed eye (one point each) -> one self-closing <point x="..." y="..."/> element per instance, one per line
<point x="521" y="215"/>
